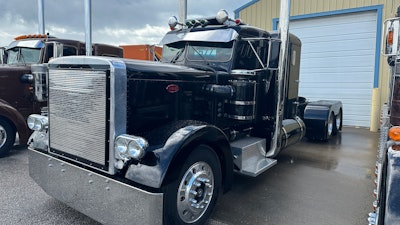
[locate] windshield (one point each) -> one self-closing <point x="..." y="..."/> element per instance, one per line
<point x="19" y="55"/>
<point x="198" y="51"/>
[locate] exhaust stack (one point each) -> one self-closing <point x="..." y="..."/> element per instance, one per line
<point x="41" y="16"/>
<point x="284" y="33"/>
<point x="88" y="26"/>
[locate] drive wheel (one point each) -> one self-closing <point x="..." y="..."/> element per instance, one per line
<point x="7" y="137"/>
<point x="329" y="127"/>
<point x="338" y="123"/>
<point x="191" y="198"/>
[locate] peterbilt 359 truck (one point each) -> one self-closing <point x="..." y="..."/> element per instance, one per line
<point x="23" y="77"/>
<point x="140" y="142"/>
<point x="387" y="171"/>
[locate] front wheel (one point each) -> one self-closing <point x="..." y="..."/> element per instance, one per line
<point x="191" y="198"/>
<point x="7" y="137"/>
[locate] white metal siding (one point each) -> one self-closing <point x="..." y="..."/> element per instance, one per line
<point x="338" y="60"/>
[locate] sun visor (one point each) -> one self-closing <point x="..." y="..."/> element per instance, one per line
<point x="26" y="44"/>
<point x="225" y="35"/>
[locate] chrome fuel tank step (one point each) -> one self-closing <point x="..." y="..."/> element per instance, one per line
<point x="249" y="156"/>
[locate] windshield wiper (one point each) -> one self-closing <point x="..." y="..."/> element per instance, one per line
<point x="177" y="55"/>
<point x="21" y="56"/>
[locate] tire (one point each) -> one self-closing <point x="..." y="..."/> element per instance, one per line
<point x="338" y="123"/>
<point x="191" y="197"/>
<point x="329" y="127"/>
<point x="7" y="137"/>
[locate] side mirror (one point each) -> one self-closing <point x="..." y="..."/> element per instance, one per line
<point x="57" y="50"/>
<point x="2" y="54"/>
<point x="273" y="54"/>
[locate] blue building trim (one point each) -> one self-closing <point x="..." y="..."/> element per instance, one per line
<point x="377" y="8"/>
<point x="237" y="11"/>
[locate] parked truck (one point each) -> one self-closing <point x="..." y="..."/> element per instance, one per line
<point x="141" y="142"/>
<point x="387" y="183"/>
<point x="142" y="52"/>
<point x="23" y="80"/>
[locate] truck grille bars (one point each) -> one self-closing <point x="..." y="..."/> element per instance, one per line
<point x="78" y="113"/>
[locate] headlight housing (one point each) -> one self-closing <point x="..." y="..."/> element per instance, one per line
<point x="38" y="122"/>
<point x="129" y="146"/>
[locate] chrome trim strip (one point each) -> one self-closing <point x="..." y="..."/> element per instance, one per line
<point x="241" y="117"/>
<point x="242" y="102"/>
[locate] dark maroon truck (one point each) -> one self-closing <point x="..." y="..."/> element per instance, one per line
<point x="23" y="72"/>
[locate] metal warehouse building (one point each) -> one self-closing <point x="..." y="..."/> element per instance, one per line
<point x="341" y="44"/>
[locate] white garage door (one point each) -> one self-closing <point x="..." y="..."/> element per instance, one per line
<point x="338" y="61"/>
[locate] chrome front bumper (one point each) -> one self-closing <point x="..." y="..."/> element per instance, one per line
<point x="106" y="200"/>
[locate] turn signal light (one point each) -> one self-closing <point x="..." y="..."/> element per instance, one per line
<point x="394" y="133"/>
<point x="390" y="37"/>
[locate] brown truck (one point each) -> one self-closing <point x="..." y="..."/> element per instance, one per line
<point x="23" y="77"/>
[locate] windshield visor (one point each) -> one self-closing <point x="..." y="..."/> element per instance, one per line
<point x="225" y="35"/>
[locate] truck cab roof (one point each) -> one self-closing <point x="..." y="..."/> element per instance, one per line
<point x="222" y="46"/>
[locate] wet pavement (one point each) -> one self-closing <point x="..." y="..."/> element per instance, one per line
<point x="313" y="183"/>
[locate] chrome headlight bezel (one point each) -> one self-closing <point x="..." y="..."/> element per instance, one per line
<point x="37" y="122"/>
<point x="130" y="146"/>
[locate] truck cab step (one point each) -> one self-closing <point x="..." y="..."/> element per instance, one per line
<point x="249" y="156"/>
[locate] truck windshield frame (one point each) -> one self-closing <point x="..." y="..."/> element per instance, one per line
<point x="22" y="55"/>
<point x="198" y="51"/>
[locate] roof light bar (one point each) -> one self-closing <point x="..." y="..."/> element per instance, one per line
<point x="26" y="36"/>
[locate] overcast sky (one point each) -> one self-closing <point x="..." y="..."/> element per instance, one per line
<point x="118" y="22"/>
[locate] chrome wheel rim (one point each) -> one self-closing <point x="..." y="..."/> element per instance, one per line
<point x="3" y="136"/>
<point x="330" y="126"/>
<point x="195" y="192"/>
<point x="338" y="121"/>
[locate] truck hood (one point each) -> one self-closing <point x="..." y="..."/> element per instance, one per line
<point x="157" y="70"/>
<point x="5" y="68"/>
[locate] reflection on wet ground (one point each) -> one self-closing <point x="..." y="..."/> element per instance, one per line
<point x="313" y="183"/>
<point x="348" y="153"/>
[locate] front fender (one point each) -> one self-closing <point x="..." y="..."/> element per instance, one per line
<point x="177" y="148"/>
<point x="17" y="120"/>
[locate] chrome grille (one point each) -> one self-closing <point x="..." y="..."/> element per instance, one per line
<point x="78" y="116"/>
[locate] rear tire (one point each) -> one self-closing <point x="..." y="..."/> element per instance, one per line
<point x="191" y="197"/>
<point x="329" y="127"/>
<point x="7" y="137"/>
<point x="338" y="123"/>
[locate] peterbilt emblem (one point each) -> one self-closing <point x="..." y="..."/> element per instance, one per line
<point x="172" y="88"/>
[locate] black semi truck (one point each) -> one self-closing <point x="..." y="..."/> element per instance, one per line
<point x="139" y="142"/>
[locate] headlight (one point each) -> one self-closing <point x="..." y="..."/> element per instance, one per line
<point x="37" y="122"/>
<point x="129" y="146"/>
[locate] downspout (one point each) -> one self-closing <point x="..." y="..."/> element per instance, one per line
<point x="41" y="16"/>
<point x="88" y="26"/>
<point x="284" y="33"/>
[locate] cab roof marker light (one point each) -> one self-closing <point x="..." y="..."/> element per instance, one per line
<point x="26" y="36"/>
<point x="203" y="22"/>
<point x="192" y="23"/>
